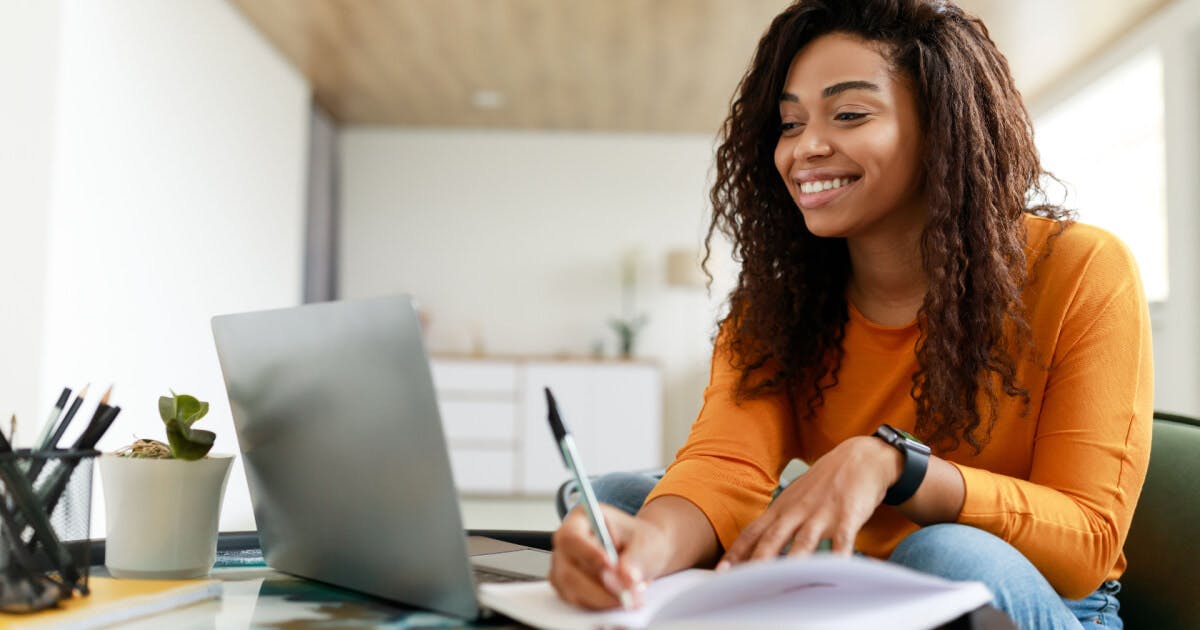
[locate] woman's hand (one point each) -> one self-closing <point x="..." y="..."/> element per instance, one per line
<point x="831" y="500"/>
<point x="581" y="572"/>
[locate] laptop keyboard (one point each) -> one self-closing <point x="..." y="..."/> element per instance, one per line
<point x="483" y="575"/>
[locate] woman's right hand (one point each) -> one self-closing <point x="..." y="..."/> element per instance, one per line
<point x="581" y="572"/>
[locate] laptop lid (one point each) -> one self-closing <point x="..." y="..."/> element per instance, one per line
<point x="342" y="443"/>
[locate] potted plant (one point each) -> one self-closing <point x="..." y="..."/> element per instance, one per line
<point x="163" y="501"/>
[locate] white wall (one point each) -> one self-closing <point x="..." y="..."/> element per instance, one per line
<point x="517" y="238"/>
<point x="177" y="194"/>
<point x="28" y="67"/>
<point x="1176" y="31"/>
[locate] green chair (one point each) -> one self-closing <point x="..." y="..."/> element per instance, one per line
<point x="1161" y="588"/>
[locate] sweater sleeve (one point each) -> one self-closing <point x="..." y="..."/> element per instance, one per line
<point x="734" y="455"/>
<point x="1092" y="441"/>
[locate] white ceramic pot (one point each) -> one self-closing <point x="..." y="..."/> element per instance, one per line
<point x="162" y="515"/>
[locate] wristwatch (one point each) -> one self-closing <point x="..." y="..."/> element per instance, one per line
<point x="916" y="461"/>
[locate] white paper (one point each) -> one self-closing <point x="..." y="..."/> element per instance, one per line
<point x="822" y="591"/>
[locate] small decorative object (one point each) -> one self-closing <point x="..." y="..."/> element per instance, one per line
<point x="163" y="501"/>
<point x="628" y="325"/>
<point x="627" y="330"/>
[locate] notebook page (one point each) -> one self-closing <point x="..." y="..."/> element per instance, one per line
<point x="825" y="591"/>
<point x="536" y="603"/>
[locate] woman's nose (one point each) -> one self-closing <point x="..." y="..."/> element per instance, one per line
<point x="811" y="145"/>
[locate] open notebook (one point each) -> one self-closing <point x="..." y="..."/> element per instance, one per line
<point x="822" y="591"/>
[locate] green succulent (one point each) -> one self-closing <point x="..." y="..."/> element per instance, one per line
<point x="179" y="412"/>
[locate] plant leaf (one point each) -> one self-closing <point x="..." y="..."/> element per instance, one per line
<point x="166" y="408"/>
<point x="200" y="413"/>
<point x="186" y="408"/>
<point x="189" y="444"/>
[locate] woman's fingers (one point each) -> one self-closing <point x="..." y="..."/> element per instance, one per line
<point x="576" y="540"/>
<point x="746" y="542"/>
<point x="770" y="535"/>
<point x="579" y="585"/>
<point x="843" y="540"/>
<point x="581" y="571"/>
<point x="806" y="539"/>
<point x="774" y="539"/>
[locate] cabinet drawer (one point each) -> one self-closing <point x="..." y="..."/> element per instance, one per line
<point x="479" y="420"/>
<point x="475" y="378"/>
<point x="482" y="470"/>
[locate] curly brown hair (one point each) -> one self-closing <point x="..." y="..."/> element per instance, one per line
<point x="788" y="311"/>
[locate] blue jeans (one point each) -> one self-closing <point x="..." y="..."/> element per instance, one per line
<point x="955" y="552"/>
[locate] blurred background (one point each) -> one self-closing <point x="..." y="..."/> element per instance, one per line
<point x="534" y="172"/>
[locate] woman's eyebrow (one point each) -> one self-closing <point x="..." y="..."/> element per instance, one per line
<point x="835" y="89"/>
<point x="838" y="88"/>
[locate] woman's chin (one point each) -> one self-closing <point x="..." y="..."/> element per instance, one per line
<point x="822" y="226"/>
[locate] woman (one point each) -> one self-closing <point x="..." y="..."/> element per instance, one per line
<point x="873" y="177"/>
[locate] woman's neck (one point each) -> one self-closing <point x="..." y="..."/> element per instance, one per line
<point x="887" y="279"/>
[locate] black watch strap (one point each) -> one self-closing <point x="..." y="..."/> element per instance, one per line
<point x="916" y="462"/>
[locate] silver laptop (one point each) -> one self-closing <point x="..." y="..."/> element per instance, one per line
<point x="347" y="465"/>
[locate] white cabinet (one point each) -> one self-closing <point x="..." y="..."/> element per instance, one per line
<point x="494" y="415"/>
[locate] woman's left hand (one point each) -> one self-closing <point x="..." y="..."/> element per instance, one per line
<point x="831" y="501"/>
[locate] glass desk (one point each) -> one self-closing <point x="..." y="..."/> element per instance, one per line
<point x="255" y="596"/>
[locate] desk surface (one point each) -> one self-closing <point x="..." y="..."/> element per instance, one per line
<point x="255" y="596"/>
<point x="263" y="598"/>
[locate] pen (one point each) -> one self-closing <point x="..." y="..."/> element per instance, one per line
<point x="52" y="443"/>
<point x="44" y="436"/>
<point x="566" y="446"/>
<point x="35" y="467"/>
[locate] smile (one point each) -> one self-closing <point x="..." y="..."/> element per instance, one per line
<point x="826" y="184"/>
<point x="823" y="192"/>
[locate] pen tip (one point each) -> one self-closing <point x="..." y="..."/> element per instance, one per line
<point x="104" y="399"/>
<point x="83" y="392"/>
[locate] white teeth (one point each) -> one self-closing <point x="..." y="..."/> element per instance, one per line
<point x="823" y="185"/>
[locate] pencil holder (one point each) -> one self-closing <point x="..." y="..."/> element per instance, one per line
<point x="45" y="527"/>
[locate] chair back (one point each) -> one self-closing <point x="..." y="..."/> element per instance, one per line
<point x="1161" y="587"/>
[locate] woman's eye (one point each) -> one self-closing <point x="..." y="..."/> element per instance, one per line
<point x="849" y="116"/>
<point x="789" y="126"/>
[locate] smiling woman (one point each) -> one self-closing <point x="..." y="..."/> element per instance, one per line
<point x="965" y="369"/>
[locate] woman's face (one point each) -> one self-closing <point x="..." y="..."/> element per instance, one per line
<point x="849" y="146"/>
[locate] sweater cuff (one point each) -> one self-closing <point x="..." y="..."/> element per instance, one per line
<point x="980" y="506"/>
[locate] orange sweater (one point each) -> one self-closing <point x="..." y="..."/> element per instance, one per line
<point x="1060" y="484"/>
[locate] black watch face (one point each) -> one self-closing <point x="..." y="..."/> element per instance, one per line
<point x="902" y="439"/>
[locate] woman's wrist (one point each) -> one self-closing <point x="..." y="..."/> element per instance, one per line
<point x="889" y="461"/>
<point x="685" y="537"/>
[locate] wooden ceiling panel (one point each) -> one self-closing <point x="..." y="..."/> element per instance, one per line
<point x="613" y="65"/>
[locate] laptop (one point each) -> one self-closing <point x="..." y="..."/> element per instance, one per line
<point x="345" y="457"/>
